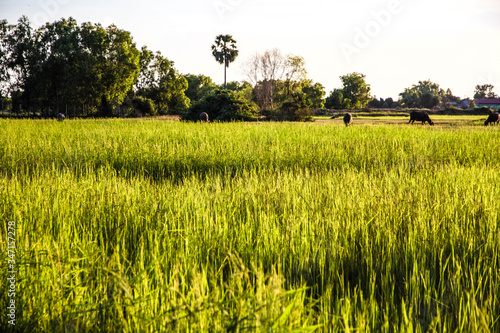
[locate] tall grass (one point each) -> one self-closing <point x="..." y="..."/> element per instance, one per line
<point x="168" y="226"/>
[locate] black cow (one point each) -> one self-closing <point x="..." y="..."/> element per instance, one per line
<point x="347" y="119"/>
<point x="493" y="118"/>
<point x="204" y="117"/>
<point x="60" y="117"/>
<point x="420" y="116"/>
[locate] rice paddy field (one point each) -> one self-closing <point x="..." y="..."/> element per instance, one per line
<point x="165" y="226"/>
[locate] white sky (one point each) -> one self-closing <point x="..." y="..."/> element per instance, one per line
<point x="395" y="43"/>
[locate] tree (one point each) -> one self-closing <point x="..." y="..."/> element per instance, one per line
<point x="4" y="73"/>
<point x="425" y="94"/>
<point x="199" y="86"/>
<point x="484" y="91"/>
<point x="355" y="91"/>
<point x="274" y="77"/>
<point x="62" y="63"/>
<point x="376" y="103"/>
<point x="144" y="105"/>
<point x="450" y="98"/>
<point x="222" y="105"/>
<point x="294" y="71"/>
<point x="264" y="71"/>
<point x="160" y="82"/>
<point x="335" y="100"/>
<point x="297" y="108"/>
<point x="315" y="94"/>
<point x="116" y="63"/>
<point x="224" y="50"/>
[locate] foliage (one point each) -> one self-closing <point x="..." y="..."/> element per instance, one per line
<point x="199" y="86"/>
<point x="132" y="226"/>
<point x="425" y="94"/>
<point x="298" y="107"/>
<point x="63" y="63"/>
<point x="450" y="98"/>
<point x="355" y="91"/>
<point x="335" y="100"/>
<point x="485" y="91"/>
<point x="314" y="94"/>
<point x="144" y="105"/>
<point x="243" y="90"/>
<point x="222" y="105"/>
<point x="160" y="82"/>
<point x="381" y="103"/>
<point x="224" y="51"/>
<point x="354" y="94"/>
<point x="274" y="77"/>
<point x="279" y="83"/>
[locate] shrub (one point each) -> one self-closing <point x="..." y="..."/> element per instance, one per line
<point x="223" y="105"/>
<point x="296" y="109"/>
<point x="144" y="106"/>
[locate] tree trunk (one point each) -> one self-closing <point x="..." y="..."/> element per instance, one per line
<point x="225" y="66"/>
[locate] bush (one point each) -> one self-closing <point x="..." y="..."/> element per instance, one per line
<point x="144" y="106"/>
<point x="296" y="109"/>
<point x="223" y="105"/>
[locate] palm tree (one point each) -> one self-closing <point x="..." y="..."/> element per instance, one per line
<point x="224" y="50"/>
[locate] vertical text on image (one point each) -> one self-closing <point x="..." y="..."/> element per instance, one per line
<point x="11" y="272"/>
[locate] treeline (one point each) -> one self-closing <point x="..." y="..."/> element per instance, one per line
<point x="87" y="67"/>
<point x="90" y="70"/>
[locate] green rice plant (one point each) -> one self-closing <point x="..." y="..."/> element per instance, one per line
<point x="169" y="226"/>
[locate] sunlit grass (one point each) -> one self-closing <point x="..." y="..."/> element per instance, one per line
<point x="170" y="226"/>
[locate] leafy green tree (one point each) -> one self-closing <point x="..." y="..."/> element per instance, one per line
<point x="224" y="50"/>
<point x="376" y="103"/>
<point x="298" y="107"/>
<point x="354" y="94"/>
<point x="390" y="102"/>
<point x="355" y="91"/>
<point x="20" y="60"/>
<point x="62" y="63"/>
<point x="223" y="105"/>
<point x="335" y="100"/>
<point x="241" y="89"/>
<point x="484" y="91"/>
<point x="144" y="105"/>
<point x="199" y="86"/>
<point x="160" y="82"/>
<point x="425" y="94"/>
<point x="315" y="94"/>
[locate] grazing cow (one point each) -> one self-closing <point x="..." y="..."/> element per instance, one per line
<point x="493" y="118"/>
<point x="60" y="117"/>
<point x="347" y="119"/>
<point x="420" y="116"/>
<point x="204" y="117"/>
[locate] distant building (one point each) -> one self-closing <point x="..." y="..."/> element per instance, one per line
<point x="462" y="105"/>
<point x="489" y="103"/>
<point x="465" y="104"/>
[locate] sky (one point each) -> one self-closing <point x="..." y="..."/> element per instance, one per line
<point x="395" y="43"/>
